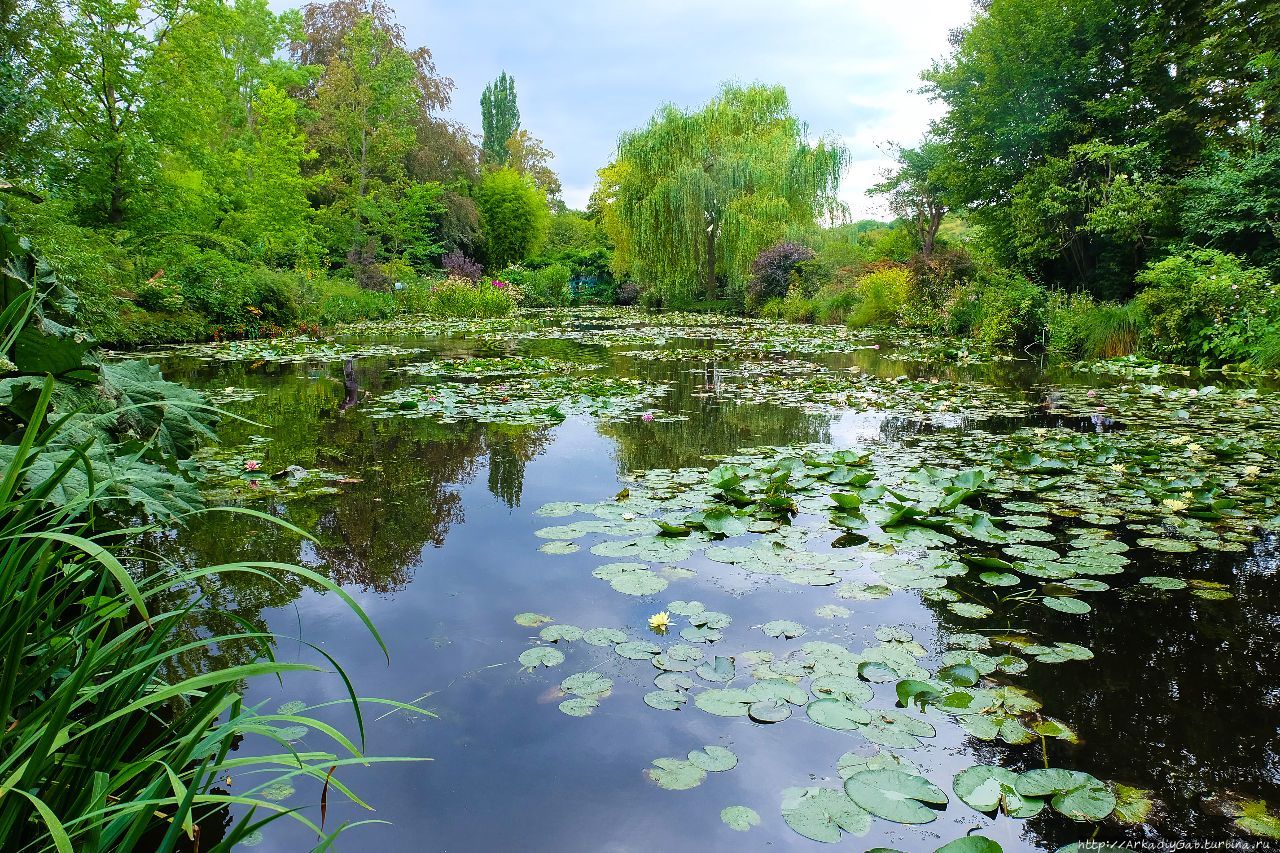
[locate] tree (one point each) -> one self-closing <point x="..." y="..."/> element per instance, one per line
<point x="271" y="210"/>
<point x="917" y="190"/>
<point x="513" y="217"/>
<point x="499" y="117"/>
<point x="528" y="156"/>
<point x="698" y="194"/>
<point x="421" y="219"/>
<point x="1031" y="84"/>
<point x="366" y="106"/>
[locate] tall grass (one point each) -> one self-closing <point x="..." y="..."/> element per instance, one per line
<point x="100" y="747"/>
<point x="1080" y="327"/>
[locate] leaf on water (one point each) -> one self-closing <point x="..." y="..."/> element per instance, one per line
<point x="714" y="759"/>
<point x="665" y="700"/>
<point x="740" y="818"/>
<point x="1133" y="805"/>
<point x="559" y="547"/>
<point x="1076" y="795"/>
<point x="578" y="706"/>
<point x="821" y="813"/>
<point x="556" y="633"/>
<point x="718" y="669"/>
<point x="541" y="656"/>
<point x="895" y="795"/>
<point x="783" y="629"/>
<point x="769" y="711"/>
<point x="603" y="637"/>
<point x="637" y="650"/>
<point x="724" y="702"/>
<point x="968" y="610"/>
<point x="988" y="788"/>
<point x="676" y="774"/>
<point x="589" y="685"/>
<point x="1066" y="605"/>
<point x="1161" y="582"/>
<point x="832" y="611"/>
<point x="971" y="844"/>
<point x="532" y="620"/>
<point x="838" y="714"/>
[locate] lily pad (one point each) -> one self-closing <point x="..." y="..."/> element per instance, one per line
<point x="714" y="758"/>
<point x="895" y="795"/>
<point x="541" y="656"/>
<point x="578" y="706"/>
<point x="1076" y="795"/>
<point x="837" y="714"/>
<point x="665" y="700"/>
<point x="532" y="620"/>
<point x="727" y="702"/>
<point x="783" y="629"/>
<point x="676" y="774"/>
<point x="740" y="818"/>
<point x="821" y="813"/>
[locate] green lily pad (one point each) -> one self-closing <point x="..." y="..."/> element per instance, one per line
<point x="895" y="795"/>
<point x="1076" y="795"/>
<point x="969" y="610"/>
<point x="556" y="633"/>
<point x="1066" y="605"/>
<point x="740" y="818"/>
<point x="665" y="700"/>
<point x="821" y="813"/>
<point x="603" y="637"/>
<point x="714" y="758"/>
<point x="541" y="656"/>
<point x="783" y="629"/>
<point x="579" y="706"/>
<point x="589" y="685"/>
<point x="637" y="650"/>
<point x="1160" y="582"/>
<point x="837" y="714"/>
<point x="676" y="774"/>
<point x="559" y="547"/>
<point x="987" y="788"/>
<point x="718" y="669"/>
<point x="1256" y="818"/>
<point x="769" y="711"/>
<point x="532" y="620"/>
<point x="725" y="702"/>
<point x="971" y="844"/>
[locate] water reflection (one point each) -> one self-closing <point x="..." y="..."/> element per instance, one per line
<point x="434" y="523"/>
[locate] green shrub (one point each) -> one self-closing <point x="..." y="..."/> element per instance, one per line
<point x="1203" y="306"/>
<point x="1080" y="327"/>
<point x="796" y="307"/>
<point x="882" y="294"/>
<point x="325" y="301"/>
<point x="461" y="298"/>
<point x="547" y="287"/>
<point x="1009" y="312"/>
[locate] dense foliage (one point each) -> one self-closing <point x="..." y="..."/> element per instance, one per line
<point x="694" y="196"/>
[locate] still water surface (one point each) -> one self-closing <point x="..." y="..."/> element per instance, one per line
<point x="432" y="530"/>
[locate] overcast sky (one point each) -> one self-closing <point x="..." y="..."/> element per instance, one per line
<point x="586" y="71"/>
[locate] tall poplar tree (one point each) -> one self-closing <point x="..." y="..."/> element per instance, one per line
<point x="499" y="117"/>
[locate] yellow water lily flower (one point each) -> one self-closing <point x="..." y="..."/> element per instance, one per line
<point x="1118" y="468"/>
<point x="1194" y="448"/>
<point x="660" y="621"/>
<point x="1175" y="505"/>
<point x="1252" y="470"/>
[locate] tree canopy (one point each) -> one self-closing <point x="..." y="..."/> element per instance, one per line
<point x="694" y="196"/>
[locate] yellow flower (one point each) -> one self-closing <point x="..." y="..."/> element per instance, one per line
<point x="1118" y="468"/>
<point x="1252" y="470"/>
<point x="1175" y="505"/>
<point x="660" y="622"/>
<point x="1194" y="448"/>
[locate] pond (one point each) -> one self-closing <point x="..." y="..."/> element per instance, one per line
<point x="839" y="569"/>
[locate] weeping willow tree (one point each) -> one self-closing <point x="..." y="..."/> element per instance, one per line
<point x="694" y="196"/>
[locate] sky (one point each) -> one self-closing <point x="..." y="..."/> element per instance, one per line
<point x="587" y="71"/>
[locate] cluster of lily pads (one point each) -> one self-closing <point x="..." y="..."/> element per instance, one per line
<point x="244" y="473"/>
<point x="491" y="366"/>
<point x="522" y="400"/>
<point x="299" y="349"/>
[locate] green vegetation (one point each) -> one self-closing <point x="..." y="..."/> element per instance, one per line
<point x="112" y="738"/>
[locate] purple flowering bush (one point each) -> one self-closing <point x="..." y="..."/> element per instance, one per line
<point x="773" y="270"/>
<point x="459" y="265"/>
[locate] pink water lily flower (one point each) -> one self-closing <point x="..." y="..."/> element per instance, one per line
<point x="252" y="465"/>
<point x="647" y="416"/>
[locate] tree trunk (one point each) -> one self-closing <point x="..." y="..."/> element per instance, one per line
<point x="711" y="263"/>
